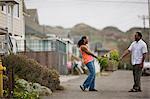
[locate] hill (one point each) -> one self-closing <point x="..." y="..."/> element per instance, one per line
<point x="108" y="37"/>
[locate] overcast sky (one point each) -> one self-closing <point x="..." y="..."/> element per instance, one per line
<point x="96" y="13"/>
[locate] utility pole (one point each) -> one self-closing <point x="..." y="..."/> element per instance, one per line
<point x="149" y="30"/>
<point x="144" y="18"/>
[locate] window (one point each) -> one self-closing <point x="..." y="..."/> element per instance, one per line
<point x="3" y="8"/>
<point x="9" y="9"/>
<point x="16" y="10"/>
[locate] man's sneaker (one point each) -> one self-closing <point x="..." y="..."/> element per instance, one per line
<point x="139" y="90"/>
<point x="135" y="90"/>
<point x="82" y="88"/>
<point x="93" y="90"/>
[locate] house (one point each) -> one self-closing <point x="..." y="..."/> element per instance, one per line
<point x="69" y="48"/>
<point x="48" y="52"/>
<point x="41" y="45"/>
<point x="102" y="51"/>
<point x="12" y="20"/>
<point x="69" y="52"/>
<point x="33" y="30"/>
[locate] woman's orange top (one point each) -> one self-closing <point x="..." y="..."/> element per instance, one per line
<point x="86" y="58"/>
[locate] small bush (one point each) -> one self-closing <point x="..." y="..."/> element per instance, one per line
<point x="33" y="89"/>
<point x="26" y="90"/>
<point x="103" y="61"/>
<point x="109" y="62"/>
<point x="114" y="55"/>
<point x="32" y="71"/>
<point x="25" y="95"/>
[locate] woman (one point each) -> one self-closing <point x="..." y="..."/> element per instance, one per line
<point x="88" y="58"/>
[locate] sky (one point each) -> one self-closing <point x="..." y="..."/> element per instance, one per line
<point x="96" y="13"/>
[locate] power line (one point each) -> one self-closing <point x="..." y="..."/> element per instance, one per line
<point x="117" y="1"/>
<point x="143" y="17"/>
<point x="102" y="1"/>
<point x="149" y="30"/>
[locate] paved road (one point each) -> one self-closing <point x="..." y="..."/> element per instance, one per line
<point x="114" y="86"/>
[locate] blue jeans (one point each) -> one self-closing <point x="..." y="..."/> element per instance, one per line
<point x="90" y="81"/>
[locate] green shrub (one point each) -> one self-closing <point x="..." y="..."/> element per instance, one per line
<point x="26" y="90"/>
<point x="109" y="62"/>
<point x="32" y="71"/>
<point x="25" y="95"/>
<point x="114" y="55"/>
<point x="21" y="90"/>
<point x="103" y="61"/>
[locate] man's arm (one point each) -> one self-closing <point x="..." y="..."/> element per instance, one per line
<point x="124" y="54"/>
<point x="88" y="52"/>
<point x="144" y="51"/>
<point x="143" y="58"/>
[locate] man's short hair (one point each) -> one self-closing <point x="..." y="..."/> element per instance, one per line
<point x="139" y="34"/>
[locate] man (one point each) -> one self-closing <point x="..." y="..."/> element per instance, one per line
<point x="88" y="59"/>
<point x="138" y="50"/>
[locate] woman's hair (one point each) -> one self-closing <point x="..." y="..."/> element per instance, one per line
<point x="81" y="41"/>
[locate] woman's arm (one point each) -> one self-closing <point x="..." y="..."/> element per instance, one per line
<point x="84" y="49"/>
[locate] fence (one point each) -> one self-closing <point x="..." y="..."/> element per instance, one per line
<point x="51" y="59"/>
<point x="49" y="53"/>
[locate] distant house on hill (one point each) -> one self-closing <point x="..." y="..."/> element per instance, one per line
<point x="102" y="51"/>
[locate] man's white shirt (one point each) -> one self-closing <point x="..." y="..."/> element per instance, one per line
<point x="137" y="50"/>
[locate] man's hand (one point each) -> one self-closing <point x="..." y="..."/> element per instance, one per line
<point x="142" y="65"/>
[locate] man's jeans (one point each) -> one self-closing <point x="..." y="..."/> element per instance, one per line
<point x="137" y="71"/>
<point x="90" y="81"/>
